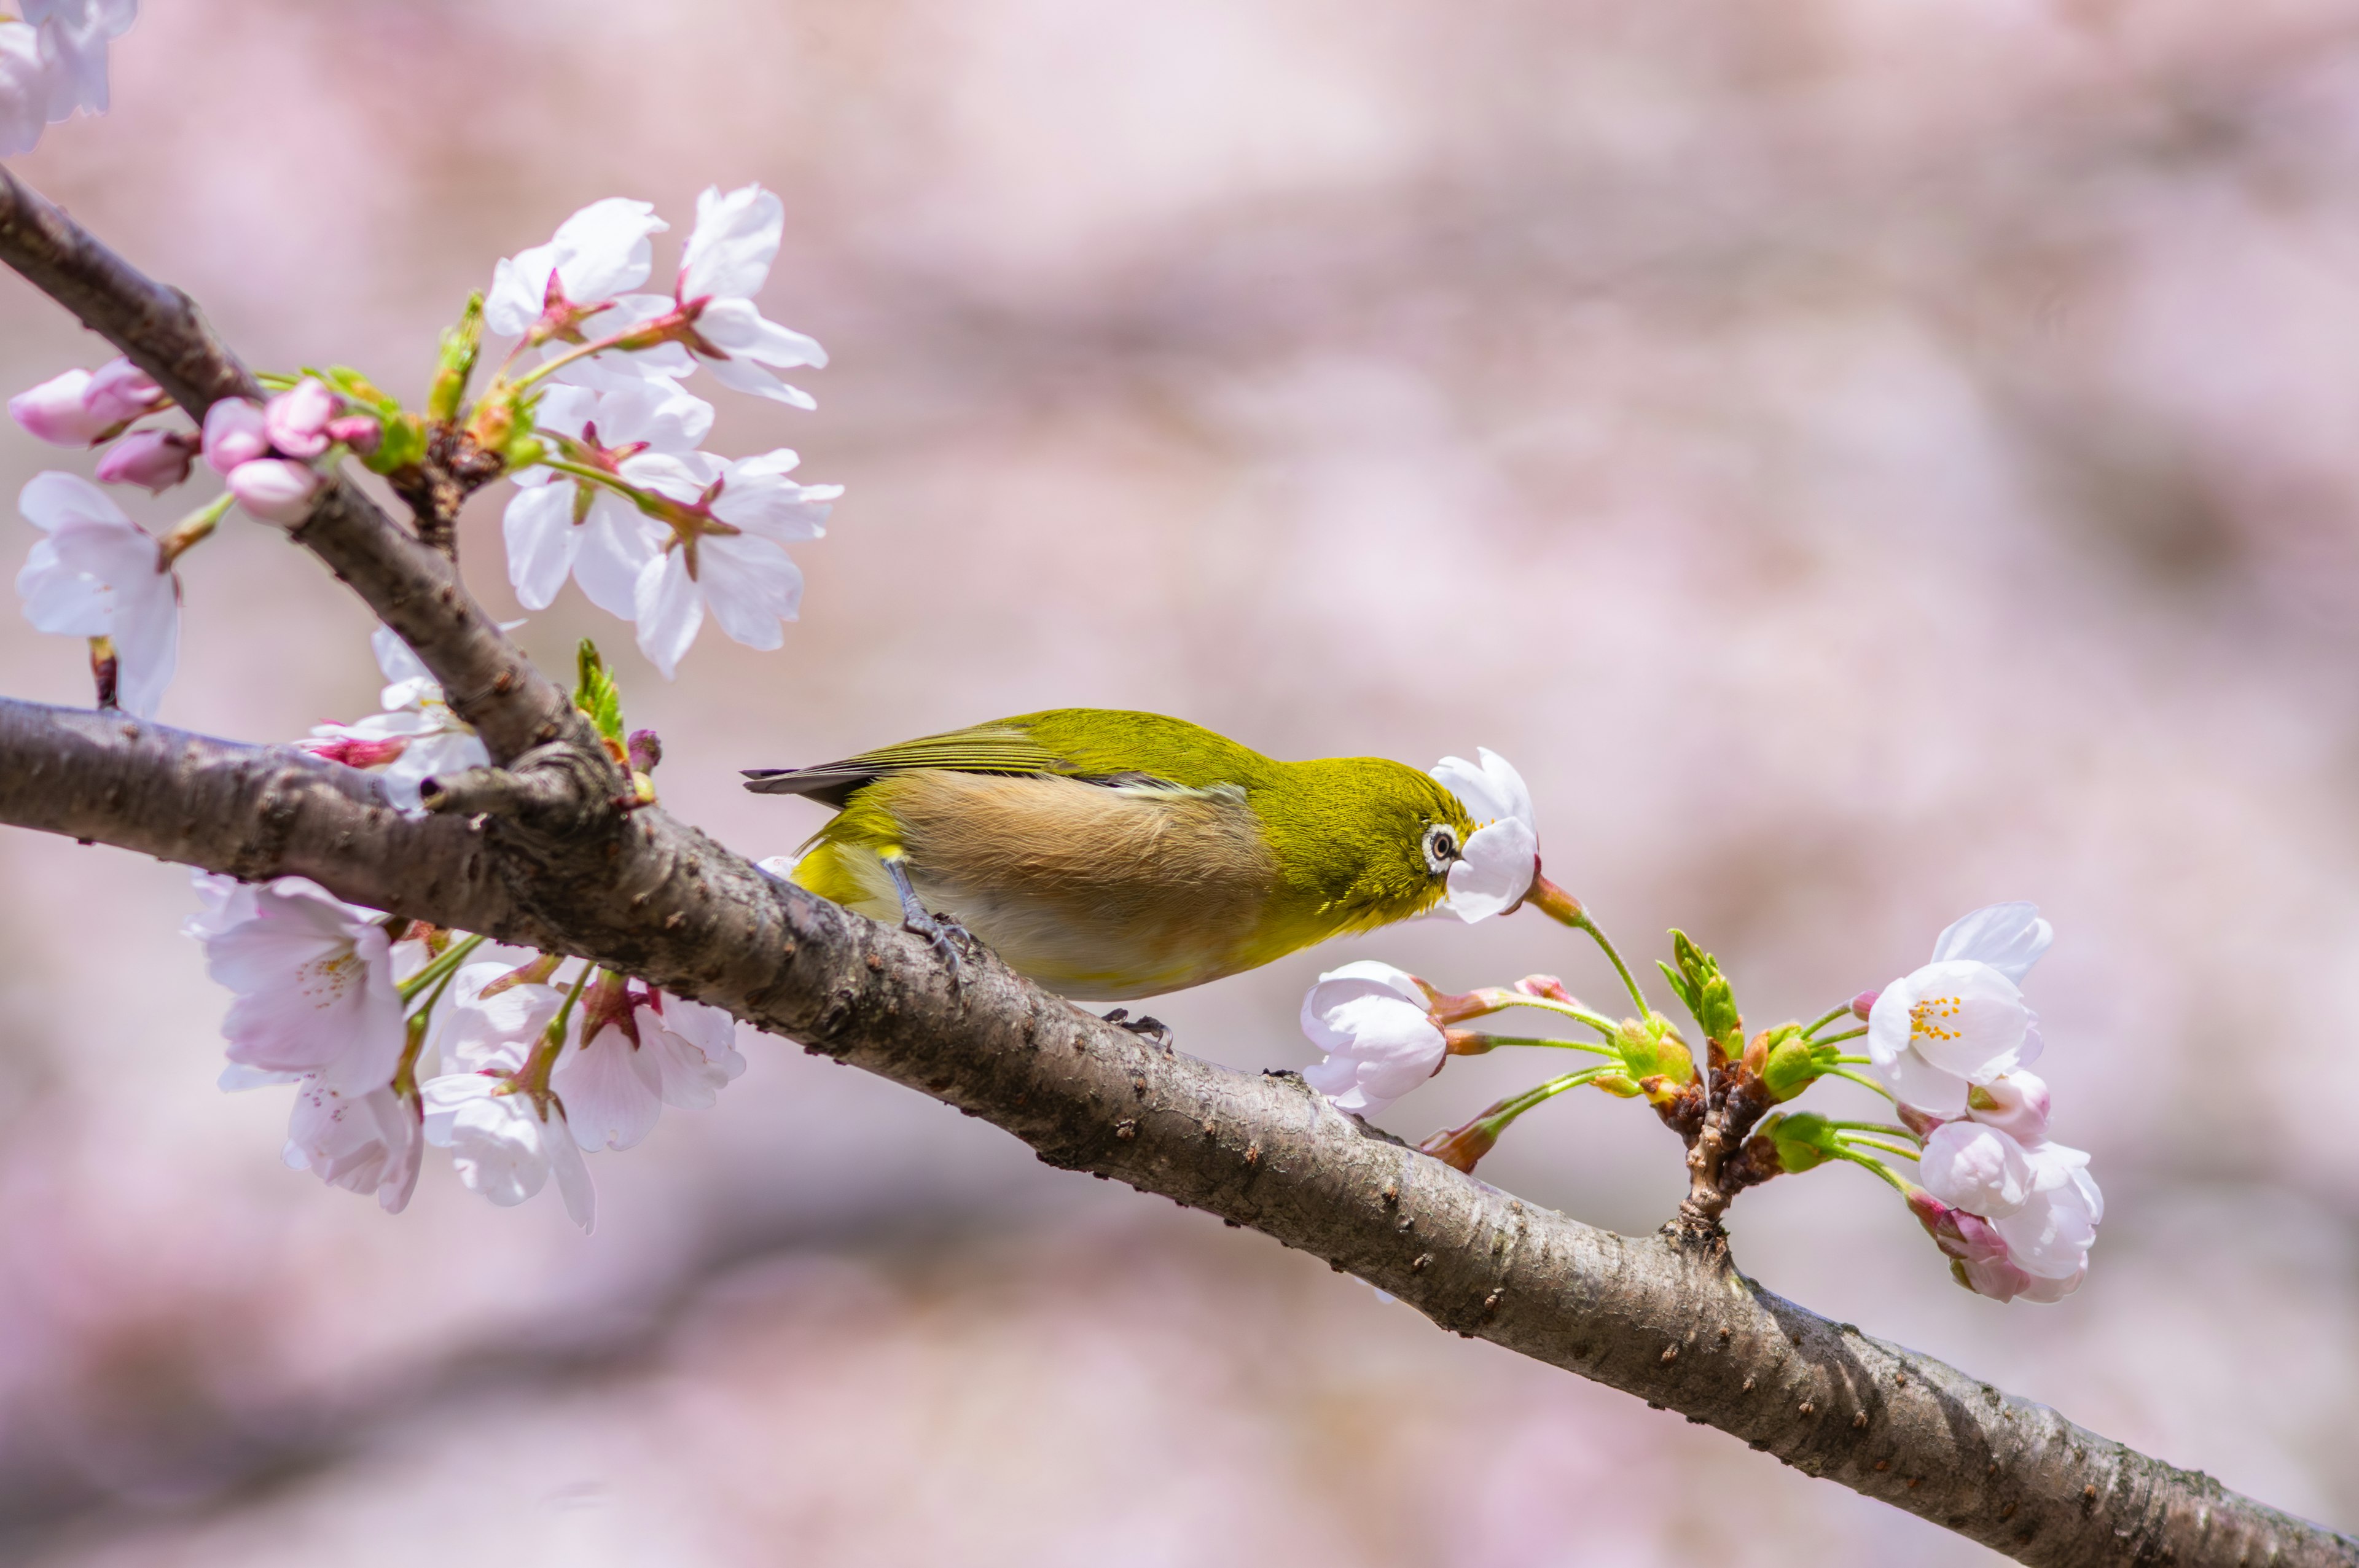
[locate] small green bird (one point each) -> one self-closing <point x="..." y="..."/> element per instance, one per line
<point x="1114" y="855"/>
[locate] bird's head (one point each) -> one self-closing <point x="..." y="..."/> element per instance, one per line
<point x="1380" y="841"/>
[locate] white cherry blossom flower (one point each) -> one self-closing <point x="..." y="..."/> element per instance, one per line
<point x="724" y="555"/>
<point x="1935" y="1033"/>
<point x="728" y="260"/>
<point x="1496" y="866"/>
<point x="98" y="574"/>
<point x="596" y="255"/>
<point x="417" y="737"/>
<point x="642" y="1050"/>
<point x="1378" y="1028"/>
<point x="52" y="62"/>
<point x="369" y="1143"/>
<point x="24" y="89"/>
<point x="555" y="524"/>
<point x="695" y="1048"/>
<point x="505" y="1141"/>
<point x="314" y="982"/>
<point x="2050" y="1237"/>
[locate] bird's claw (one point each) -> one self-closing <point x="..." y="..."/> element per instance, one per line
<point x="1153" y="1028"/>
<point x="948" y="936"/>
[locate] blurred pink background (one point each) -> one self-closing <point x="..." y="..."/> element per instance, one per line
<point x="1861" y="459"/>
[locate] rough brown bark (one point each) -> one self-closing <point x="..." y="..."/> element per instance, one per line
<point x="543" y="855"/>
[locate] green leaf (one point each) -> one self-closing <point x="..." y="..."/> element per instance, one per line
<point x="597" y="694"/>
<point x="1708" y="997"/>
<point x="1680" y="987"/>
<point x="456" y="364"/>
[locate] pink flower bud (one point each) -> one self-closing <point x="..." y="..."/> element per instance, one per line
<point x="1547" y="985"/>
<point x="120" y="391"/>
<point x="275" y="489"/>
<point x="234" y="434"/>
<point x="56" y="412"/>
<point x="1977" y="1253"/>
<point x="158" y="459"/>
<point x="296" y="419"/>
<point x="1863" y="1004"/>
<point x="358" y="431"/>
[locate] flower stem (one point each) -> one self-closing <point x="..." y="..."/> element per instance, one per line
<point x="1859" y="1078"/>
<point x="1905" y="1154"/>
<point x="1887" y="1127"/>
<point x="439" y="968"/>
<point x="1596" y="1020"/>
<point x="1496" y="1122"/>
<point x="533" y="1076"/>
<point x="1846" y="1034"/>
<point x="1559" y="1045"/>
<point x="1826" y="1018"/>
<point x="1899" y="1183"/>
<point x="1562" y="907"/>
<point x="579" y="351"/>
<point x="193" y="528"/>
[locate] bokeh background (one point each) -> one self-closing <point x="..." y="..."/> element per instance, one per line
<point x="1861" y="459"/>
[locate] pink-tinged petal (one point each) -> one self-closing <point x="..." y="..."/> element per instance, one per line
<point x="497" y="1032"/>
<point x="611" y="1089"/>
<point x="669" y="609"/>
<point x="656" y="412"/>
<point x="53" y="500"/>
<point x="1388" y="1047"/>
<point x="495" y="1140"/>
<point x="735" y="240"/>
<point x="367" y="1143"/>
<point x="750" y="586"/>
<point x="542" y="542"/>
<point x="1976" y="1168"/>
<point x="276" y="489"/>
<point x="2016" y="1103"/>
<point x="745" y="376"/>
<point x="55" y="411"/>
<point x="236" y="433"/>
<point x="694" y="1047"/>
<point x="759" y="501"/>
<point x="61" y="600"/>
<point x="565" y="409"/>
<point x="1494" y="871"/>
<point x="315" y="989"/>
<point x="401" y="667"/>
<point x="120" y="391"/>
<point x="2050" y="1237"/>
<point x="296" y="419"/>
<point x="572" y="1173"/>
<point x="147" y="640"/>
<point x="155" y="460"/>
<point x="24" y="89"/>
<point x="2009" y="937"/>
<point x="1967" y="1018"/>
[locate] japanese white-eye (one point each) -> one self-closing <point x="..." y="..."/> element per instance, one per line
<point x="1114" y="855"/>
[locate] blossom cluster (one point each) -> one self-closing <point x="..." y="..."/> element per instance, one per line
<point x="1950" y="1044"/>
<point x="654" y="529"/>
<point x="398" y="1037"/>
<point x="53" y="64"/>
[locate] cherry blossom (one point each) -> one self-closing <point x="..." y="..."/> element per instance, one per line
<point x="639" y="1051"/>
<point x="2016" y="1103"/>
<point x="555" y="524"/>
<point x="1378" y="1028"/>
<point x="24" y="90"/>
<point x="1974" y="1167"/>
<point x="314" y="981"/>
<point x="726" y="262"/>
<point x="546" y="292"/>
<point x="276" y="489"/>
<point x="415" y="739"/>
<point x="98" y="574"/>
<point x="505" y="1141"/>
<point x="52" y="62"/>
<point x="363" y="1142"/>
<point x="1959" y="1021"/>
<point x="1494" y="868"/>
<point x="81" y="408"/>
<point x="724" y="555"/>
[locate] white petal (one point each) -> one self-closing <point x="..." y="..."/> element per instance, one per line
<point x="603" y="250"/>
<point x="745" y="376"/>
<point x="572" y="1174"/>
<point x="735" y="240"/>
<point x="2016" y="1104"/>
<point x="495" y="1140"/>
<point x="1494" y="870"/>
<point x="612" y="1090"/>
<point x="656" y="412"/>
<point x="542" y="542"/>
<point x="1914" y="1081"/>
<point x="499" y="1031"/>
<point x="519" y="287"/>
<point x="1976" y="1168"/>
<point x="147" y="642"/>
<point x="695" y="1047"/>
<point x="1966" y="1018"/>
<point x="2050" y="1237"/>
<point x="737" y="326"/>
<point x="1491" y="791"/>
<point x="617" y="543"/>
<point x="54" y="500"/>
<point x="669" y="608"/>
<point x="61" y="600"/>
<point x="1361" y="978"/>
<point x="2009" y="937"/>
<point x="750" y="586"/>
<point x="756" y="498"/>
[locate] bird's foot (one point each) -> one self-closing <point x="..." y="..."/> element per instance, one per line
<point x="949" y="938"/>
<point x="1153" y="1028"/>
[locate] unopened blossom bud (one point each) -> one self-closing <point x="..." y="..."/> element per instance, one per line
<point x="358" y="431"/>
<point x="356" y="751"/>
<point x="1546" y="986"/>
<point x="154" y="460"/>
<point x="1790" y="1068"/>
<point x="275" y="489"/>
<point x="1974" y="1167"/>
<point x="55" y="412"/>
<point x="1462" y="1148"/>
<point x="234" y="434"/>
<point x="120" y="391"/>
<point x="1978" y="1255"/>
<point x="1799" y="1140"/>
<point x="1863" y="1004"/>
<point x="645" y="748"/>
<point x="296" y="419"/>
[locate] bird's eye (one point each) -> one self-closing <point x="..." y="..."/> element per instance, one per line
<point x="1441" y="847"/>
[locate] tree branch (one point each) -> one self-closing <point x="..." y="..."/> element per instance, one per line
<point x="1668" y="1320"/>
<point x="412" y="587"/>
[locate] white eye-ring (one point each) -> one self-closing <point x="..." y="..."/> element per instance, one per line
<point x="1441" y="847"/>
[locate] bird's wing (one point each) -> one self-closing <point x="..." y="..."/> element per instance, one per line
<point x="985" y="749"/>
